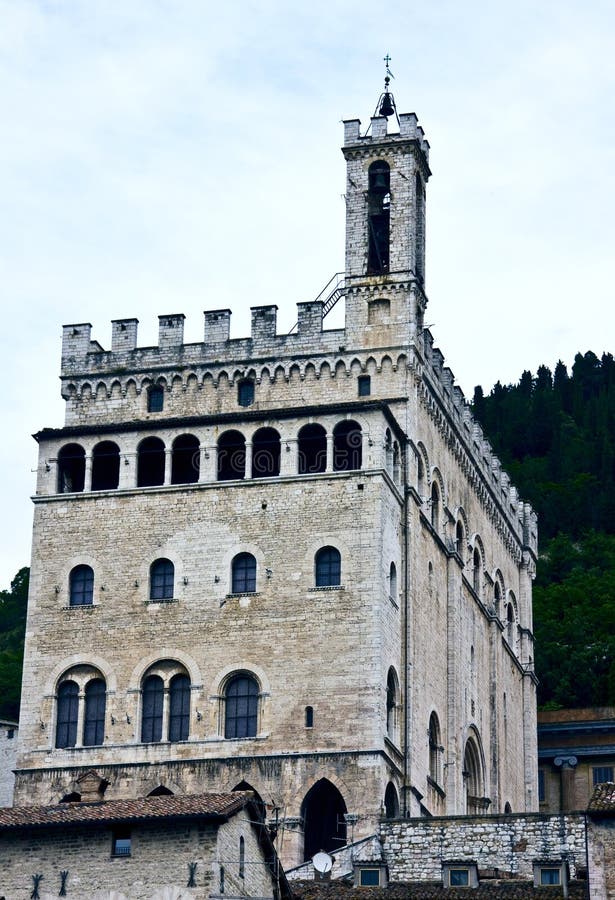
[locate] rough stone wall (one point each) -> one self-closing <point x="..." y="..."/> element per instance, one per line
<point x="601" y="857"/>
<point x="8" y="757"/>
<point x="415" y="849"/>
<point x="156" y="869"/>
<point x="256" y="880"/>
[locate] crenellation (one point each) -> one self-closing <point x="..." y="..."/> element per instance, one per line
<point x="263" y="330"/>
<point x="124" y="335"/>
<point x="171" y="332"/>
<point x="76" y="341"/>
<point x="379" y="127"/>
<point x="217" y="326"/>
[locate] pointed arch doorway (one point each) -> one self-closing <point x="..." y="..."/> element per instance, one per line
<point x="324" y="826"/>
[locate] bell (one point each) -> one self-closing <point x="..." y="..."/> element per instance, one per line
<point x="386" y="106"/>
<point x="379" y="183"/>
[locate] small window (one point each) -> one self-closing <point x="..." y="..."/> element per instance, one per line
<point x="365" y="385"/>
<point x="550" y="875"/>
<point x="10" y="734"/>
<point x="81" y="586"/>
<point x="121" y="841"/>
<point x="541" y="786"/>
<point x="221" y="879"/>
<point x="601" y="774"/>
<point x="309" y="716"/>
<point x="459" y="877"/>
<point x="245" y="392"/>
<point x="242" y="857"/>
<point x="155" y="398"/>
<point x="328" y="567"/>
<point x="161" y="578"/>
<point x="243" y="580"/>
<point x="369" y="877"/>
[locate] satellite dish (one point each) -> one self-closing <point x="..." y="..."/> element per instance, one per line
<point x="322" y="862"/>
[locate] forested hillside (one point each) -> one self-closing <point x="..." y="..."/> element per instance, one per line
<point x="555" y="434"/>
<point x="12" y="631"/>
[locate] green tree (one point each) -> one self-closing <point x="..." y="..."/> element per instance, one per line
<point x="13" y="606"/>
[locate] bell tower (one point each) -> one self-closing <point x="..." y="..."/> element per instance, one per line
<point x="386" y="178"/>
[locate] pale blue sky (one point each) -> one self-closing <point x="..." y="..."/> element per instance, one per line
<point x="173" y="155"/>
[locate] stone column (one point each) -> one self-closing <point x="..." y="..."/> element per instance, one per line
<point x="329" y="452"/>
<point x="567" y="764"/>
<point x="248" y="473"/>
<point x="87" y="482"/>
<point x="168" y="459"/>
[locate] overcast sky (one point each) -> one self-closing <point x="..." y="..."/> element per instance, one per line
<point x="164" y="156"/>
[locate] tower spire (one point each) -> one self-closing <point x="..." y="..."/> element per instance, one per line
<point x="386" y="101"/>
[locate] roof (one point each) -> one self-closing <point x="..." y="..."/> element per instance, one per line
<point x="186" y="806"/>
<point x="586" y="714"/>
<point x="603" y="799"/>
<point x="508" y="890"/>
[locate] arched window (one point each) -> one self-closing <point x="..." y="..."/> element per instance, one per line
<point x="507" y="809"/>
<point x="510" y="625"/>
<point x="347" y="441"/>
<point x="393" y="582"/>
<point x="473" y="777"/>
<point x="459" y="539"/>
<point x="392" y="703"/>
<point x="265" y="453"/>
<point x="231" y="456"/>
<point x="67" y="713"/>
<point x="323" y="810"/>
<point x="258" y="800"/>
<point x="242" y="857"/>
<point x="396" y="463"/>
<point x="328" y="567"/>
<point x="312" y="449"/>
<point x="150" y="462"/>
<point x="185" y="460"/>
<point x="435" y="748"/>
<point x="497" y="598"/>
<point x="151" y="717"/>
<point x="161" y="580"/>
<point x="391" y="802"/>
<point x="243" y="574"/>
<point x="155" y="398"/>
<point x="179" y="708"/>
<point x="388" y="451"/>
<point x="241" y="707"/>
<point x="105" y="466"/>
<point x="435" y="507"/>
<point x="378" y="216"/>
<point x="81" y="586"/>
<point x="477" y="571"/>
<point x="309" y="716"/>
<point x="71" y="469"/>
<point x="94" y="713"/>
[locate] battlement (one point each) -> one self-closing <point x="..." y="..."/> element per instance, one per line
<point x="409" y="130"/>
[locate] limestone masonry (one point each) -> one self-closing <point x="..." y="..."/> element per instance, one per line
<point x="286" y="563"/>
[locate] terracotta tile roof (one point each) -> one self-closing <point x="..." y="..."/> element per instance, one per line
<point x="603" y="798"/>
<point x="140" y="809"/>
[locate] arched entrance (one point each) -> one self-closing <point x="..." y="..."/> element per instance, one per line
<point x="324" y="826"/>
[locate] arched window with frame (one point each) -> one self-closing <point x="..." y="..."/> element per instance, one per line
<point x="477" y="571"/>
<point x="393" y="594"/>
<point x="243" y="574"/>
<point x="179" y="707"/>
<point x="105" y="466"/>
<point x="151" y="714"/>
<point x="460" y="539"/>
<point x="473" y="776"/>
<point x="265" y="453"/>
<point x="150" y="462"/>
<point x="81" y="587"/>
<point x="392" y="704"/>
<point x="378" y="217"/>
<point x="71" y="469"/>
<point x="185" y="460"/>
<point x="312" y="440"/>
<point x="241" y="706"/>
<point x="391" y="801"/>
<point x="510" y="625"/>
<point x="435" y="749"/>
<point x="435" y="507"/>
<point x="161" y="580"/>
<point x="231" y="456"/>
<point x="67" y="714"/>
<point x="328" y="567"/>
<point x="94" y="713"/>
<point x="347" y="446"/>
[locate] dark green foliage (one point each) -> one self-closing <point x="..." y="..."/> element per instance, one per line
<point x="555" y="434"/>
<point x="13" y="606"/>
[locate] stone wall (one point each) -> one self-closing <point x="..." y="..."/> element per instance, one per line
<point x="601" y="847"/>
<point x="8" y="757"/>
<point x="415" y="849"/>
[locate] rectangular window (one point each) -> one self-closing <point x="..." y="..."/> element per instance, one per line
<point x="245" y="393"/>
<point x="602" y="774"/>
<point x="550" y="875"/>
<point x="121" y="841"/>
<point x="541" y="785"/>
<point x="369" y="877"/>
<point x="155" y="399"/>
<point x="365" y="385"/>
<point x="459" y="877"/>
